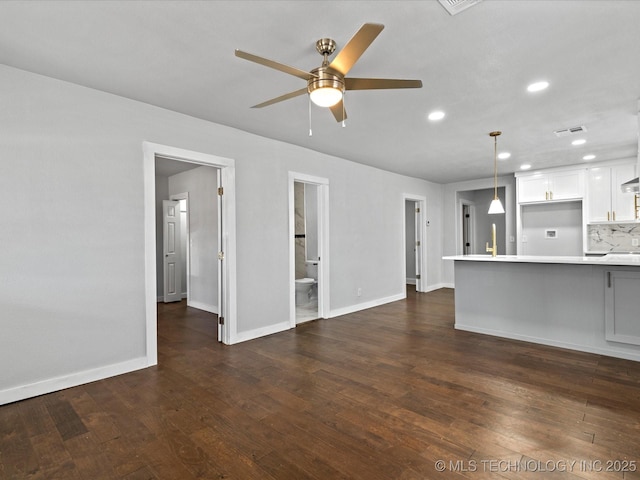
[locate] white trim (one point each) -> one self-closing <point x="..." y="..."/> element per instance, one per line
<point x="363" y="306"/>
<point x="261" y="332"/>
<point x="323" y="245"/>
<point x="551" y="343"/>
<point x="438" y="286"/>
<point x="204" y="306"/>
<point x="461" y="202"/>
<point x="421" y="201"/>
<point x="227" y="171"/>
<point x="67" y="381"/>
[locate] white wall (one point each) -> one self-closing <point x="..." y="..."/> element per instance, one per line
<point x="72" y="289"/>
<point x="565" y="218"/>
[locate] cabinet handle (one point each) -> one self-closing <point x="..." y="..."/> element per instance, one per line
<point x="608" y="216"/>
<point x="550" y="195"/>
<point x="546" y="195"/>
<point x="614" y="215"/>
<point x="609" y="279"/>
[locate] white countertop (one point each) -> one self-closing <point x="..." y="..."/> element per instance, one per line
<point x="632" y="260"/>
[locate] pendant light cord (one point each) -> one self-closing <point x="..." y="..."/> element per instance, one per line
<point x="310" y="131"/>
<point x="495" y="167"/>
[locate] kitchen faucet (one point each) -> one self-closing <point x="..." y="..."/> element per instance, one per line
<point x="494" y="248"/>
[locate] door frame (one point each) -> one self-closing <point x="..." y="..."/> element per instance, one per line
<point x="323" y="244"/>
<point x="228" y="284"/>
<point x="472" y="226"/>
<point x="421" y="202"/>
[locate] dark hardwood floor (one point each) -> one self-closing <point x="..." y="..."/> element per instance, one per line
<point x="380" y="394"/>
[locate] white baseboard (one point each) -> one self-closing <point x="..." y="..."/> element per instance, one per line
<point x="72" y="380"/>
<point x="203" y="306"/>
<point x="259" y="332"/>
<point x="551" y="343"/>
<point x="438" y="286"/>
<point x="161" y="299"/>
<point x="199" y="305"/>
<point x="363" y="306"/>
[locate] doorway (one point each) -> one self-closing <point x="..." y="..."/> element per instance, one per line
<point x="223" y="250"/>
<point x="415" y="242"/>
<point x="308" y="248"/>
<point x="474" y="224"/>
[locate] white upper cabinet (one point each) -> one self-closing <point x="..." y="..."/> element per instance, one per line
<point x="606" y="201"/>
<point x="551" y="186"/>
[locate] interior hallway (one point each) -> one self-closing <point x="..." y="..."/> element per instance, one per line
<point x="379" y="394"/>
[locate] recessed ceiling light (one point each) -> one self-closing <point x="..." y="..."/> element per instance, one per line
<point x="537" y="86"/>
<point x="580" y="141"/>
<point x="525" y="166"/>
<point x="589" y="157"/>
<point x="504" y="155"/>
<point x="437" y="115"/>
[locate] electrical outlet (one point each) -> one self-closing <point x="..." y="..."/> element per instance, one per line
<point x="524" y="239"/>
<point x="635" y="242"/>
<point x="359" y="292"/>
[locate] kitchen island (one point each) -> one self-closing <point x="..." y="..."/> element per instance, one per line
<point x="590" y="304"/>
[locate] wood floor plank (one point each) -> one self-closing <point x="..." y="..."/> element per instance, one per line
<point x="384" y="393"/>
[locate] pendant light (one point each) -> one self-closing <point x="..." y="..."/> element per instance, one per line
<point x="496" y="204"/>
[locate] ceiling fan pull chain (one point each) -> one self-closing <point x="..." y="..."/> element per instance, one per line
<point x="310" y="131"/>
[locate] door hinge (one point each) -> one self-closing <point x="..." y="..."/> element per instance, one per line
<point x="221" y="320"/>
<point x="220" y="255"/>
<point x="417" y="209"/>
<point x="418" y="243"/>
<point x="220" y="190"/>
<point x="418" y="277"/>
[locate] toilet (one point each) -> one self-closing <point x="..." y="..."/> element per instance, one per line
<point x="304" y="287"/>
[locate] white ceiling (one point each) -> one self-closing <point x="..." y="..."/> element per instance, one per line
<point x="475" y="66"/>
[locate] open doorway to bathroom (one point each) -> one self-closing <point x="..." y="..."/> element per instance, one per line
<point x="415" y="242"/>
<point x="308" y="225"/>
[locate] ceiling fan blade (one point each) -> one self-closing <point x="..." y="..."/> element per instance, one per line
<point x="355" y="47"/>
<point x="379" y="83"/>
<point x="281" y="98"/>
<point x="278" y="66"/>
<point x="338" y="111"/>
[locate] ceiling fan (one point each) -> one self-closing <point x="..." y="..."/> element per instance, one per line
<point x="326" y="84"/>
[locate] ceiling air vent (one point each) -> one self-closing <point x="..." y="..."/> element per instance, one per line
<point x="565" y="132"/>
<point x="456" y="6"/>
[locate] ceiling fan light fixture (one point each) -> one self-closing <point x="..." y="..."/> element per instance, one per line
<point x="325" y="96"/>
<point x="326" y="90"/>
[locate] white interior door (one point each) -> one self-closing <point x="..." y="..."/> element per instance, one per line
<point x="171" y="250"/>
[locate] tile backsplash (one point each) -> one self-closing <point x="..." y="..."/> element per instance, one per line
<point x="613" y="237"/>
